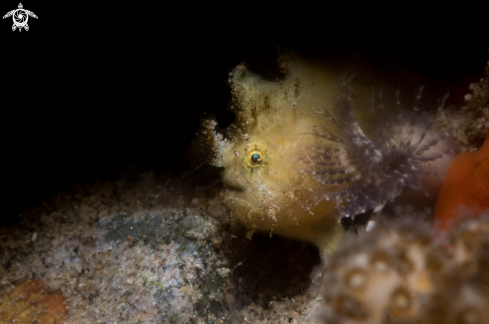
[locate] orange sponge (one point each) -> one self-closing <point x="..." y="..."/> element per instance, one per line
<point x="466" y="187"/>
<point x="29" y="302"/>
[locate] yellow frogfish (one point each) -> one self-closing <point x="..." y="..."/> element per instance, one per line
<point x="296" y="161"/>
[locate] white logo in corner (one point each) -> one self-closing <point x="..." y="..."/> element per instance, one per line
<point x="20" y="17"/>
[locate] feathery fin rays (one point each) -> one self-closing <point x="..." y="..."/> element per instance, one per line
<point x="366" y="173"/>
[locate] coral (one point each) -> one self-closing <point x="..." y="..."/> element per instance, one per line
<point x="380" y="275"/>
<point x="466" y="188"/>
<point x="469" y="124"/>
<point x="463" y="295"/>
<point x="30" y="302"/>
<point x="472" y="131"/>
<point x="399" y="273"/>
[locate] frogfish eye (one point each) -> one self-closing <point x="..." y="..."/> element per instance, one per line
<point x="255" y="158"/>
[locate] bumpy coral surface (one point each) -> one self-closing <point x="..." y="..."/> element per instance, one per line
<point x="474" y="126"/>
<point x="399" y="274"/>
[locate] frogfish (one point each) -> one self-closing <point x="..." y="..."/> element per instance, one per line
<point x="316" y="147"/>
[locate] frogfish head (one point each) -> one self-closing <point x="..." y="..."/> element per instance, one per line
<point x="266" y="187"/>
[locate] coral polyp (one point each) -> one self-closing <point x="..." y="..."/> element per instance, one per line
<point x="401" y="273"/>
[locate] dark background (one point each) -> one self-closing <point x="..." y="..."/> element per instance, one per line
<point x="91" y="89"/>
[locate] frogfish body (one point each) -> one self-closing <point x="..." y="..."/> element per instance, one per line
<point x="295" y="160"/>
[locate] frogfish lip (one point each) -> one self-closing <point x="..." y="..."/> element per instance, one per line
<point x="232" y="185"/>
